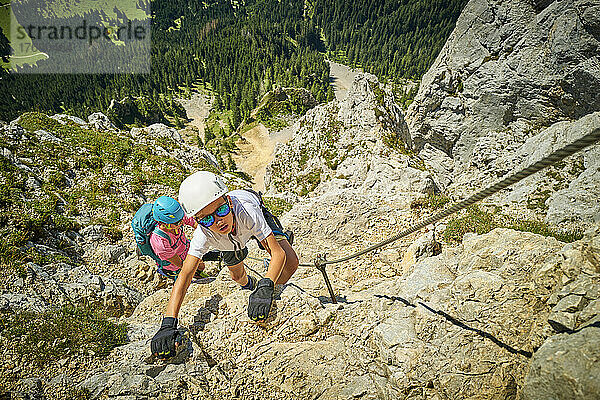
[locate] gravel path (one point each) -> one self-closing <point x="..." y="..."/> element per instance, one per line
<point x="341" y="77"/>
<point x="257" y="150"/>
<point x="197" y="109"/>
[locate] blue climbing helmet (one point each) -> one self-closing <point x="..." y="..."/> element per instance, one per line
<point x="168" y="210"/>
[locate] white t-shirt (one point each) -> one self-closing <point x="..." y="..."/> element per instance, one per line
<point x="249" y="222"/>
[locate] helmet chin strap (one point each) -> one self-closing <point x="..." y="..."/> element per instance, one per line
<point x="237" y="247"/>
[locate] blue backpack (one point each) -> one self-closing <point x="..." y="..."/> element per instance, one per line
<point x="143" y="225"/>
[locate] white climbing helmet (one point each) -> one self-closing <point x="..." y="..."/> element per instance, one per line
<point x="199" y="190"/>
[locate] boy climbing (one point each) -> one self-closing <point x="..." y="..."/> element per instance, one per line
<point x="226" y="222"/>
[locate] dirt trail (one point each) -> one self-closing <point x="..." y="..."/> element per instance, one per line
<point x="341" y="77"/>
<point x="257" y="150"/>
<point x="197" y="109"/>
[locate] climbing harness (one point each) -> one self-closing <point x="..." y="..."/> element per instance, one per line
<point x="321" y="262"/>
<point x="237" y="246"/>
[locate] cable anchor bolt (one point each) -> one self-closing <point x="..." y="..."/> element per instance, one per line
<point x="320" y="264"/>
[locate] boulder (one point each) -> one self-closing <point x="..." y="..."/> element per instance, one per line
<point x="12" y="130"/>
<point x="63" y="118"/>
<point x="100" y="122"/>
<point x="567" y="366"/>
<point x="92" y="233"/>
<point x="161" y="130"/>
<point x="47" y="136"/>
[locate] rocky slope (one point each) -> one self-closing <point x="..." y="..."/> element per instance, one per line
<point x="503" y="314"/>
<point x="69" y="189"/>
<point x="411" y="322"/>
<point x="512" y="75"/>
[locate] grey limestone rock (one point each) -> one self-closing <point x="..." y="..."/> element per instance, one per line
<point x="567" y="366"/>
<point x="19" y="301"/>
<point x="92" y="233"/>
<point x="12" y="130"/>
<point x="161" y="130"/>
<point x="114" y="252"/>
<point x="32" y="183"/>
<point x="498" y="67"/>
<point x="100" y="122"/>
<point x="350" y="144"/>
<point x="63" y="118"/>
<point x="510" y="69"/>
<point x="157" y="130"/>
<point x="47" y="136"/>
<point x="440" y="164"/>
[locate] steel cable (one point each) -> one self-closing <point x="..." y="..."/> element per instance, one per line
<point x="545" y="162"/>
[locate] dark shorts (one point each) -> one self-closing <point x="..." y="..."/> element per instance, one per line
<point x="230" y="258"/>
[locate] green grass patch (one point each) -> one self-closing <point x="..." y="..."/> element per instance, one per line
<point x="537" y="200"/>
<point x="282" y="101"/>
<point x="434" y="202"/>
<point x="476" y="220"/>
<point x="277" y="206"/>
<point x="309" y="182"/>
<point x="246" y="127"/>
<point x="541" y="228"/>
<point x="274" y="124"/>
<point x="41" y="338"/>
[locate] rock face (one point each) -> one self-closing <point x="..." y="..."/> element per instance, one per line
<point x="567" y="366"/>
<point x="560" y="194"/>
<point x="158" y="130"/>
<point x="348" y="172"/>
<point x="508" y="65"/>
<point x="66" y="284"/>
<point x="461" y="324"/>
<point x="510" y="69"/>
<point x="352" y="141"/>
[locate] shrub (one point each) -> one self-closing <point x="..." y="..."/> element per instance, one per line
<point x="479" y="221"/>
<point x="40" y="338"/>
<point x="277" y="206"/>
<point x="434" y="202"/>
<point x="474" y="220"/>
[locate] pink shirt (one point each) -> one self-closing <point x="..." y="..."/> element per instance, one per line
<point x="179" y="244"/>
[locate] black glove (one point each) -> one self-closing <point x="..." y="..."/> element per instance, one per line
<point x="259" y="304"/>
<point x="163" y="343"/>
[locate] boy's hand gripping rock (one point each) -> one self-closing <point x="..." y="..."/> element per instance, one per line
<point x="259" y="304"/>
<point x="164" y="343"/>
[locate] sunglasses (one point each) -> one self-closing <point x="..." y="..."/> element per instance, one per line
<point x="208" y="220"/>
